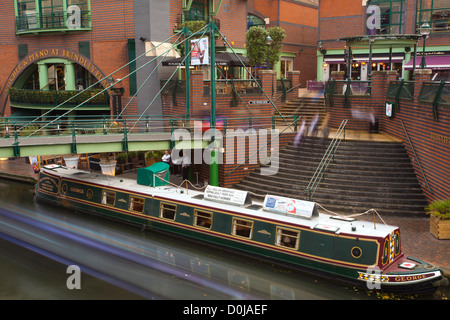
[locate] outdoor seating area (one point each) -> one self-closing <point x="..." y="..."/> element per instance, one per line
<point x="125" y="162"/>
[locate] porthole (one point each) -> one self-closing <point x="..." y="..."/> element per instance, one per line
<point x="356" y="252"/>
<point x="64" y="188"/>
<point x="90" y="194"/>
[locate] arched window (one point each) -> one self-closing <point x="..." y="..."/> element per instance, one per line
<point x="253" y="21"/>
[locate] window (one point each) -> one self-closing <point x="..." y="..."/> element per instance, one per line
<point x="242" y="228"/>
<point x="288" y="238"/>
<point x="203" y="219"/>
<point x="167" y="211"/>
<point x="136" y="204"/>
<point x="108" y="197"/>
<point x="286" y="65"/>
<point x="385" y="17"/>
<point x="52" y="14"/>
<point x="356" y="252"/>
<point x="436" y="13"/>
<point x="254" y="21"/>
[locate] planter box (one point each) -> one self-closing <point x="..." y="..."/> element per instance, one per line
<point x="72" y="162"/>
<point x="109" y="168"/>
<point x="440" y="228"/>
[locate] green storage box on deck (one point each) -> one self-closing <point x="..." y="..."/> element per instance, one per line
<point x="155" y="175"/>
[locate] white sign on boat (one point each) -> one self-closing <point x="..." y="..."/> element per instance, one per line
<point x="298" y="208"/>
<point x="225" y="195"/>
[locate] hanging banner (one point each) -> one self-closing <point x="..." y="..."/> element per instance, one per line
<point x="199" y="53"/>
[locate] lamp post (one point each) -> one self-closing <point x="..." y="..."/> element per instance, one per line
<point x="268" y="43"/>
<point x="424" y="30"/>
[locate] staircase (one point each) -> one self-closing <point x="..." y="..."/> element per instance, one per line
<point x="363" y="175"/>
<point x="306" y="107"/>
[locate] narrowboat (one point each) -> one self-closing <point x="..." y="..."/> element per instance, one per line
<point x="288" y="231"/>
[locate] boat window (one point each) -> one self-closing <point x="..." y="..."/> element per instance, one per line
<point x="288" y="238"/>
<point x="356" y="252"/>
<point x="167" y="211"/>
<point x="203" y="219"/>
<point x="108" y="197"/>
<point x="136" y="204"/>
<point x="242" y="228"/>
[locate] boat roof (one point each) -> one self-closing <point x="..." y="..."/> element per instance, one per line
<point x="257" y="209"/>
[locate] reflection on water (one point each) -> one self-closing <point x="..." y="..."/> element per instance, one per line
<point x="120" y="261"/>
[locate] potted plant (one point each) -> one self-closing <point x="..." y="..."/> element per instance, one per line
<point x="153" y="156"/>
<point x="108" y="166"/>
<point x="71" y="160"/>
<point x="439" y="212"/>
<point x="133" y="155"/>
<point x="122" y="158"/>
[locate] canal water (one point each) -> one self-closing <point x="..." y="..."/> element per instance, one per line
<point x="38" y="243"/>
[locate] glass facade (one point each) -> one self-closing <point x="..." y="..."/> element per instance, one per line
<point x="47" y="15"/>
<point x="436" y="13"/>
<point x="385" y="17"/>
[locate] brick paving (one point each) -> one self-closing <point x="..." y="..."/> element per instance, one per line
<point x="417" y="240"/>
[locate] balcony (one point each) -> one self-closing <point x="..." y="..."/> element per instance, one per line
<point x="189" y="16"/>
<point x="53" y="22"/>
<point x="48" y="99"/>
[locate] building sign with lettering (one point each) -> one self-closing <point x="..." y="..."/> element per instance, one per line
<point x="55" y="53"/>
<point x="373" y="21"/>
<point x="225" y="195"/>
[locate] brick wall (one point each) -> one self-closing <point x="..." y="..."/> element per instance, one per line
<point x="200" y="108"/>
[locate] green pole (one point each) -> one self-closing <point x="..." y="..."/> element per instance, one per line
<point x="214" y="166"/>
<point x="187" y="32"/>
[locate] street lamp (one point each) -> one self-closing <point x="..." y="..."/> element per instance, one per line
<point x="268" y="43"/>
<point x="424" y="30"/>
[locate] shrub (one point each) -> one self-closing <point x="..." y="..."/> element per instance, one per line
<point x="439" y="209"/>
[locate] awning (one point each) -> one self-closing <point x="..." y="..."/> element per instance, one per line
<point x="432" y="62"/>
<point x="233" y="60"/>
<point x="153" y="48"/>
<point x="180" y="62"/>
<point x="365" y="58"/>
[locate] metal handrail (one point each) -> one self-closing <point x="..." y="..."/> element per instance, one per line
<point x="415" y="156"/>
<point x="110" y="124"/>
<point x="326" y="159"/>
<point x="124" y="125"/>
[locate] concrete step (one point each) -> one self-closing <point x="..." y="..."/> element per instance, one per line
<point x="362" y="175"/>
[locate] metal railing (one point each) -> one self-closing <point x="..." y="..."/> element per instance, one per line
<point x="193" y="16"/>
<point x="23" y="128"/>
<point x="326" y="159"/>
<point x="400" y="90"/>
<point x="56" y="97"/>
<point x="415" y="156"/>
<point x="54" y="20"/>
<point x="436" y="93"/>
<point x="55" y="125"/>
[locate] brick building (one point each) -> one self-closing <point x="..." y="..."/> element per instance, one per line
<point x="300" y="21"/>
<point x="382" y="21"/>
<point x="386" y="90"/>
<point x="51" y="49"/>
